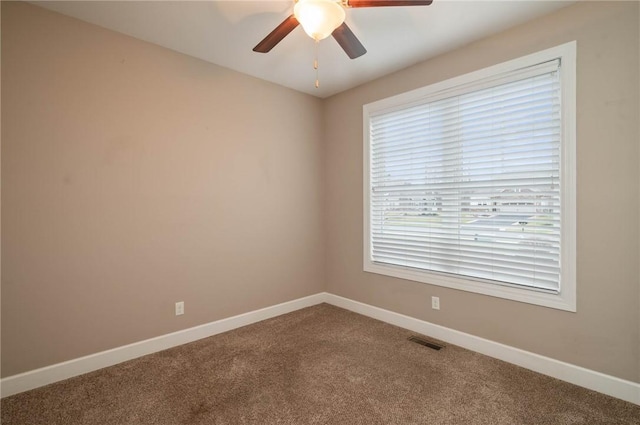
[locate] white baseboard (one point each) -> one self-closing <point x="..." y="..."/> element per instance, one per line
<point x="606" y="384"/>
<point x="58" y="372"/>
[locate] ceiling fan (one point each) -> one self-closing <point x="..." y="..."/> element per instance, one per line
<point x="322" y="18"/>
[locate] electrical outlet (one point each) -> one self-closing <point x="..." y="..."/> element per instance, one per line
<point x="179" y="308"/>
<point x="435" y="303"/>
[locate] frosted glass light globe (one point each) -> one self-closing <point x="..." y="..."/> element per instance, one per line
<point x="319" y="18"/>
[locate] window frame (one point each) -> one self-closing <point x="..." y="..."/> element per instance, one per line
<point x="565" y="299"/>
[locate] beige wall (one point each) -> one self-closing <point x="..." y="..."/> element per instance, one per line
<point x="604" y="334"/>
<point x="134" y="177"/>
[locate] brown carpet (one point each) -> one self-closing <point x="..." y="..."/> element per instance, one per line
<point x="319" y="365"/>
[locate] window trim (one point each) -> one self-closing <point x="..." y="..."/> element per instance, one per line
<point x="565" y="299"/>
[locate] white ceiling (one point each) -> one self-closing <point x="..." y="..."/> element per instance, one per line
<point x="224" y="33"/>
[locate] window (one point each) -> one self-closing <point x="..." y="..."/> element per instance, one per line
<point x="470" y="183"/>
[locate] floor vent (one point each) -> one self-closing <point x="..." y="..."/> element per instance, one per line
<point x="426" y="343"/>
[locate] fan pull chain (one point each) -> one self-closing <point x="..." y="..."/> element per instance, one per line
<point x="315" y="64"/>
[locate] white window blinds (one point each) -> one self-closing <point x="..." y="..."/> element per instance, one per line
<point x="467" y="181"/>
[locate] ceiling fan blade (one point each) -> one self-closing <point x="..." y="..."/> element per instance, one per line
<point x="277" y="35"/>
<point x="381" y="3"/>
<point x="348" y="41"/>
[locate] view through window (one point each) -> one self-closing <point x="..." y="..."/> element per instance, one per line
<point x="468" y="181"/>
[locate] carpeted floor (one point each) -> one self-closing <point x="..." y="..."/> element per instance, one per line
<point x="319" y="365"/>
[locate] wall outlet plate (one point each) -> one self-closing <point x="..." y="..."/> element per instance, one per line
<point x="179" y="308"/>
<point x="435" y="303"/>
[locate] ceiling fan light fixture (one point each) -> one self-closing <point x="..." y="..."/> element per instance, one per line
<point x="319" y="18"/>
